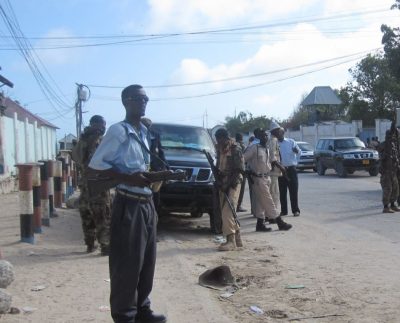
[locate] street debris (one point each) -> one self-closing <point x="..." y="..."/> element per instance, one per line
<point x="276" y="314"/>
<point x="104" y="308"/>
<point x="38" y="288"/>
<point x="295" y="287"/>
<point x="255" y="309"/>
<point x="107" y="280"/>
<point x="226" y="295"/>
<point x="314" y="317"/>
<point x="28" y="309"/>
<point x="217" y="278"/>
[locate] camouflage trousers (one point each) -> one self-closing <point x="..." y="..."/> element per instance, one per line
<point x="390" y="188"/>
<point x="96" y="217"/>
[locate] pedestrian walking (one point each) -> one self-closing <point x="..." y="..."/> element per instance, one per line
<point x="257" y="157"/>
<point x="122" y="156"/>
<point x="231" y="167"/>
<point x="95" y="211"/>
<point x="288" y="149"/>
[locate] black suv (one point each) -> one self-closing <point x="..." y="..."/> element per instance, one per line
<point x="183" y="147"/>
<point x="345" y="155"/>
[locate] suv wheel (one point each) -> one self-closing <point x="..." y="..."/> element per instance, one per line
<point x="320" y="168"/>
<point x="196" y="214"/>
<point x="341" y="170"/>
<point x="374" y="171"/>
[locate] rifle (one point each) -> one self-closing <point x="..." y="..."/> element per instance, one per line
<point x="217" y="175"/>
<point x="97" y="183"/>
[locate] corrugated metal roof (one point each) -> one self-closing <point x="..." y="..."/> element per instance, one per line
<point x="12" y="106"/>
<point x="321" y="95"/>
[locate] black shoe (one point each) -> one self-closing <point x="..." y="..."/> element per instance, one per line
<point x="147" y="316"/>
<point x="91" y="248"/>
<point x="240" y="209"/>
<point x="282" y="225"/>
<point x="282" y="214"/>
<point x="260" y="227"/>
<point x="297" y="213"/>
<point x="105" y="250"/>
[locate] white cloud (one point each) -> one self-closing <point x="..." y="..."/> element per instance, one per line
<point x="59" y="56"/>
<point x="194" y="14"/>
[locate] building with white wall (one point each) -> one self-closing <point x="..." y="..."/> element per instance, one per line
<point x="24" y="138"/>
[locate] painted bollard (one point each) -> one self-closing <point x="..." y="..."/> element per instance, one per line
<point x="44" y="194"/>
<point x="50" y="172"/>
<point x="37" y="210"/>
<point x="57" y="184"/>
<point x="25" y="202"/>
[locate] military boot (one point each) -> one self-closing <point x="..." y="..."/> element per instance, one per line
<point x="261" y="227"/>
<point x="394" y="207"/>
<point x="282" y="225"/>
<point x="387" y="209"/>
<point x="230" y="243"/>
<point x="238" y="239"/>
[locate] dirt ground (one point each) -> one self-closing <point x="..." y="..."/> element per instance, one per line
<point x="309" y="274"/>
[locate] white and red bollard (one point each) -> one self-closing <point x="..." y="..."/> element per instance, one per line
<point x="57" y="184"/>
<point x="37" y="210"/>
<point x="26" y="202"/>
<point x="44" y="194"/>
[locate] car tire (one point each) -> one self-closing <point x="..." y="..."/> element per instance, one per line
<point x="374" y="171"/>
<point x="341" y="170"/>
<point x="320" y="168"/>
<point x="350" y="171"/>
<point x="196" y="214"/>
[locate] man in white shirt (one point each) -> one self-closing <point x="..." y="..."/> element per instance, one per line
<point x="289" y="150"/>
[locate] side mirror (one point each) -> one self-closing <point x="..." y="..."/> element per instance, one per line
<point x="330" y="147"/>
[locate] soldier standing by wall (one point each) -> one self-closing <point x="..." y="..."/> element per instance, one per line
<point x="257" y="157"/>
<point x="231" y="165"/>
<point x="389" y="167"/>
<point x="95" y="211"/>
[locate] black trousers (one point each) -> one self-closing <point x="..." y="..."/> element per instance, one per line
<point x="132" y="257"/>
<point x="293" y="185"/>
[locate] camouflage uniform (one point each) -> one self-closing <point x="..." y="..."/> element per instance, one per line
<point x="389" y="167"/>
<point x="95" y="212"/>
<point x="230" y="163"/>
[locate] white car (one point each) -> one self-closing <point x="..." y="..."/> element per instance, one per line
<point x="305" y="160"/>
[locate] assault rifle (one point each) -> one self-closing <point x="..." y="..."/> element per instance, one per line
<point x="98" y="183"/>
<point x="218" y="178"/>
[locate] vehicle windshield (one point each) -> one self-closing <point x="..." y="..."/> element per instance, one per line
<point x="184" y="137"/>
<point x="349" y="143"/>
<point x="305" y="147"/>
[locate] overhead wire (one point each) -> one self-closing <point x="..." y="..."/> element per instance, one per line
<point x="243" y="76"/>
<point x="31" y="59"/>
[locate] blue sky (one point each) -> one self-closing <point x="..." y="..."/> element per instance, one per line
<point x="244" y="55"/>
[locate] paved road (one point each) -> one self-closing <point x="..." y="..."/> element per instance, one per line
<point x="354" y="201"/>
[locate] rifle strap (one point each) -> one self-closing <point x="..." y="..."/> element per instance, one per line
<point x="146" y="151"/>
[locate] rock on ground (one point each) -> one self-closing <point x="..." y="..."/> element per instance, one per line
<point x="6" y="273"/>
<point x="5" y="301"/>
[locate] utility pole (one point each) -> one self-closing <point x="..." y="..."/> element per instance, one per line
<point x="81" y="96"/>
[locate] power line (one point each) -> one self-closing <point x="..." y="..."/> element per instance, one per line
<point x="221" y="31"/>
<point x="244" y="76"/>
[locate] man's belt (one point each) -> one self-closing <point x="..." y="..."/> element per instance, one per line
<point x="135" y="196"/>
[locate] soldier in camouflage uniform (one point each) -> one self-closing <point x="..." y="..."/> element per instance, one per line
<point x="95" y="211"/>
<point x="231" y="166"/>
<point x="389" y="167"/>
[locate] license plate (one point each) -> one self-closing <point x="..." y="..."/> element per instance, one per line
<point x="365" y="162"/>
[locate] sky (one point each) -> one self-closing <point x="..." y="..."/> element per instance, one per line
<point x="199" y="61"/>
